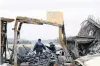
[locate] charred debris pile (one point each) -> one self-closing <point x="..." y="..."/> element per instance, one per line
<point x="87" y="42"/>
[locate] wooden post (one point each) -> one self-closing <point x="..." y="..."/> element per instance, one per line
<point x="15" y="43"/>
<point x="63" y="44"/>
<point x="0" y="45"/>
<point x="76" y="49"/>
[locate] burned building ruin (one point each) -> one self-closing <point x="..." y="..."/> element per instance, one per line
<point x="87" y="42"/>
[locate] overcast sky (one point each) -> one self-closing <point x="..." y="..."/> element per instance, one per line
<point x="74" y="11"/>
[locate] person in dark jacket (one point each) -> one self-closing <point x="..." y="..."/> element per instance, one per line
<point x="39" y="46"/>
<point x="52" y="47"/>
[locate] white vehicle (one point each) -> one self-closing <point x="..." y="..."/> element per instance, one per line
<point x="89" y="60"/>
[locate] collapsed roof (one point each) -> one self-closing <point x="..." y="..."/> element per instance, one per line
<point x="90" y="27"/>
<point x="87" y="39"/>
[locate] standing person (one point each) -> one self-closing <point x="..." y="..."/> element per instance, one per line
<point x="39" y="46"/>
<point x="52" y="47"/>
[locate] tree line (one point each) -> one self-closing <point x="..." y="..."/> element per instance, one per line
<point x="23" y="41"/>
